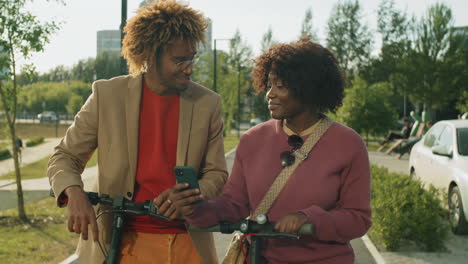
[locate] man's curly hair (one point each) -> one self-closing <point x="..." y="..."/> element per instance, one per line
<point x="155" y="26"/>
<point x="308" y="70"/>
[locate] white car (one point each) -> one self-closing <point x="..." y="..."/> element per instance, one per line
<point x="47" y="116"/>
<point x="441" y="159"/>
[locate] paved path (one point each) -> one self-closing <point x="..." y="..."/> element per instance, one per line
<point x="390" y="162"/>
<point x="30" y="155"/>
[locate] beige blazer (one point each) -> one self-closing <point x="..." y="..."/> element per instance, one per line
<point x="109" y="122"/>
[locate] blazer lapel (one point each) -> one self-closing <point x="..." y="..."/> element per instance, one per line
<point x="185" y="125"/>
<point x="132" y="115"/>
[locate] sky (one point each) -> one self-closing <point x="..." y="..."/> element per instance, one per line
<point x="81" y="19"/>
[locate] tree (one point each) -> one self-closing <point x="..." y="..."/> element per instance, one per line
<point x="267" y="40"/>
<point x="84" y="70"/>
<point x="425" y="63"/>
<point x="239" y="61"/>
<point x="56" y="96"/>
<point x="203" y="70"/>
<point x="394" y="28"/>
<point x="307" y="28"/>
<point x="366" y="109"/>
<point x="347" y="36"/>
<point x="107" y="65"/>
<point x="21" y="34"/>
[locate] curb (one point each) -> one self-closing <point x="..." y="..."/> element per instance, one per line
<point x="373" y="250"/>
<point x="230" y="152"/>
<point x="70" y="259"/>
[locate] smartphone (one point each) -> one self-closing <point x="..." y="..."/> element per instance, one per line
<point x="186" y="174"/>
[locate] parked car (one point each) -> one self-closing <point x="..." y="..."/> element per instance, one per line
<point x="441" y="159"/>
<point x="47" y="116"/>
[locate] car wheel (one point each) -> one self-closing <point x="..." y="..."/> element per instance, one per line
<point x="456" y="214"/>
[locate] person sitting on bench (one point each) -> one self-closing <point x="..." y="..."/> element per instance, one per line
<point x="403" y="134"/>
<point x="406" y="147"/>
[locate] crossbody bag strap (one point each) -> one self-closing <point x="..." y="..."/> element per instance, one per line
<point x="280" y="181"/>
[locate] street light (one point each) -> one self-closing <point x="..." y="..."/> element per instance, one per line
<point x="214" y="64"/>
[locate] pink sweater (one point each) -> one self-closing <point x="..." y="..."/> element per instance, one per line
<point x="332" y="187"/>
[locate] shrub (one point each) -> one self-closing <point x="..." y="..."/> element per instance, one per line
<point x="5" y="154"/>
<point x="403" y="211"/>
<point x="35" y="141"/>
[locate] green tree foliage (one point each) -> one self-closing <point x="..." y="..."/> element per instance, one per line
<point x="394" y="28"/>
<point x="56" y="96"/>
<point x="203" y="70"/>
<point x="21" y="34"/>
<point x="267" y="40"/>
<point x="366" y="108"/>
<point x="347" y="36"/>
<point x="107" y="66"/>
<point x="426" y="63"/>
<point x="237" y="81"/>
<point x="85" y="70"/>
<point x="307" y="28"/>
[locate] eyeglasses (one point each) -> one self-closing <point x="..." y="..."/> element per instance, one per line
<point x="185" y="64"/>
<point x="287" y="158"/>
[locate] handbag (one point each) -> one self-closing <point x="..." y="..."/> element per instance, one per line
<point x="239" y="246"/>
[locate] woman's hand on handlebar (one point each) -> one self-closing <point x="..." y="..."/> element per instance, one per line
<point x="291" y="223"/>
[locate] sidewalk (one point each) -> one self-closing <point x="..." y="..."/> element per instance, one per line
<point x="30" y="155"/>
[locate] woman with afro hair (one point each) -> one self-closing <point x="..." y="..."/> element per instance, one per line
<point x="329" y="189"/>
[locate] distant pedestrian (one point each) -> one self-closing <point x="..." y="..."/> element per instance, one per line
<point x="19" y="148"/>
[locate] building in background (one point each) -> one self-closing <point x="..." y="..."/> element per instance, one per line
<point x="108" y="41"/>
<point x="208" y="38"/>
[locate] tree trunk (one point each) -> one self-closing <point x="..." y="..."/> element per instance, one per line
<point x="19" y="188"/>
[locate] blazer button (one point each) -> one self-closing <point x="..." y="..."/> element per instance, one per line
<point x="129" y="194"/>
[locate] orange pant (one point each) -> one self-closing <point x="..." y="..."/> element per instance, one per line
<point x="142" y="248"/>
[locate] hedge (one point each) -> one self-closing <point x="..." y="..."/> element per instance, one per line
<point x="35" y="141"/>
<point x="404" y="212"/>
<point x="5" y="154"/>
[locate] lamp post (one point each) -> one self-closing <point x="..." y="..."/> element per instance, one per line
<point x="214" y="65"/>
<point x="123" y="21"/>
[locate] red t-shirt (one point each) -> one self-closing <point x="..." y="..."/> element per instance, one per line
<point x="157" y="148"/>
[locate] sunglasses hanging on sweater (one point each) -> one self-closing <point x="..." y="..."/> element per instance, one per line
<point x="287" y="158"/>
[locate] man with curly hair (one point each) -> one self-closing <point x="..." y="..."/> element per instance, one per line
<point x="143" y="125"/>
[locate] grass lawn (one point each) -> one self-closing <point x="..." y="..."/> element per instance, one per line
<point x="230" y="142"/>
<point x="45" y="239"/>
<point x="5" y="144"/>
<point x="37" y="130"/>
<point x="38" y="169"/>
